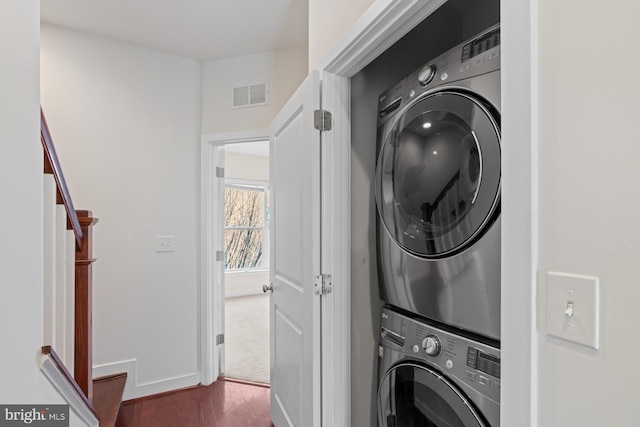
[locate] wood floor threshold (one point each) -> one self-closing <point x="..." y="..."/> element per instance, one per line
<point x="246" y="382"/>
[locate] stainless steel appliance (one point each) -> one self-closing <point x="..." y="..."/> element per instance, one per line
<point x="438" y="188"/>
<point x="430" y="377"/>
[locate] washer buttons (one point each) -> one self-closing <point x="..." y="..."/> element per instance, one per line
<point x="416" y="348"/>
<point x="449" y="364"/>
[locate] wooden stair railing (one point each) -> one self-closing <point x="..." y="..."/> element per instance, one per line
<point x="83" y="360"/>
<point x="52" y="166"/>
<point x="81" y="222"/>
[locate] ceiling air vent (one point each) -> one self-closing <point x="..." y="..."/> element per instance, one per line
<point x="249" y="96"/>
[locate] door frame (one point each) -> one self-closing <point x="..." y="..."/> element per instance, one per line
<point x="211" y="306"/>
<point x="381" y="25"/>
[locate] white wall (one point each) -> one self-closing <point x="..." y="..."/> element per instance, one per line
<point x="589" y="205"/>
<point x="328" y="21"/>
<point x="126" y="123"/>
<point x="246" y="166"/>
<point x="21" y="216"/>
<point x="282" y="70"/>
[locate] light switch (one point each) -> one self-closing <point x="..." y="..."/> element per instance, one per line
<point x="164" y="244"/>
<point x="573" y="308"/>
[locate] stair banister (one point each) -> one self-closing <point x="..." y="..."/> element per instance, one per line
<point x="52" y="165"/>
<point x="81" y="222"/>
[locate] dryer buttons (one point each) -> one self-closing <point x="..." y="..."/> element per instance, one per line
<point x="431" y="345"/>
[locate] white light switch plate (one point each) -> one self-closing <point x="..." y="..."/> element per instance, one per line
<point x="573" y="308"/>
<point x="164" y="244"/>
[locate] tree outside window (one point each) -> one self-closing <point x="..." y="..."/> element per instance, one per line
<point x="245" y="226"/>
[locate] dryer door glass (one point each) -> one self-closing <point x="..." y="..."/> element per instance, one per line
<point x="438" y="174"/>
<point x="413" y="396"/>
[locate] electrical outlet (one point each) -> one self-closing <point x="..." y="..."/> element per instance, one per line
<point x="165" y="244"/>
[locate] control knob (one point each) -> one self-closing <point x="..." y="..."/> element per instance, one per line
<point x="431" y="345"/>
<point x="427" y="74"/>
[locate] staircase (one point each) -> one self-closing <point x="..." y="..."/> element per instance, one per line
<point x="68" y="300"/>
<point x="107" y="397"/>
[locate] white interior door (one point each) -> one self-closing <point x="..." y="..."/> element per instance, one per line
<point x="295" y="260"/>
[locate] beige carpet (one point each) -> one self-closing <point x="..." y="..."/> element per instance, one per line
<point x="246" y="338"/>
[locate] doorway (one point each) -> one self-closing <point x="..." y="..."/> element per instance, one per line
<point x="245" y="230"/>
<point x="235" y="262"/>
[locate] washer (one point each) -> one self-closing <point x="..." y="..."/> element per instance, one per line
<point x="438" y="188"/>
<point x="429" y="377"/>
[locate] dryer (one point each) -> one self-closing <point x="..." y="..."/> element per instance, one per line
<point x="430" y="377"/>
<point x="438" y="188"/>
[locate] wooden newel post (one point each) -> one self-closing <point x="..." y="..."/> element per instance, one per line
<point x="83" y="363"/>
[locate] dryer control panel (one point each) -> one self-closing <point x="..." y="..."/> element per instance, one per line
<point x="473" y="57"/>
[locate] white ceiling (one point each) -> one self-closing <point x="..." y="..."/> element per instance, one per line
<point x="200" y="29"/>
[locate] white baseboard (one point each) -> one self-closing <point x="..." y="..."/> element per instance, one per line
<point x="133" y="389"/>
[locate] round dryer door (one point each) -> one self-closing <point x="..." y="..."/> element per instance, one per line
<point x="411" y="395"/>
<point x="438" y="174"/>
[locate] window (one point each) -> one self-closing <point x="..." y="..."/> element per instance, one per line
<point x="246" y="225"/>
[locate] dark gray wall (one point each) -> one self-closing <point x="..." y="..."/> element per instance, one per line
<point x="454" y="22"/>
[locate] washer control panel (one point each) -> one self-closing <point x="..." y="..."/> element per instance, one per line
<point x="468" y="361"/>
<point x="431" y="345"/>
<point x="483" y="362"/>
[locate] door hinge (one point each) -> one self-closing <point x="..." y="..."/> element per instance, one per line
<point x="219" y="339"/>
<point x="322" y="120"/>
<point x="219" y="255"/>
<point x="322" y="284"/>
<point x="219" y="172"/>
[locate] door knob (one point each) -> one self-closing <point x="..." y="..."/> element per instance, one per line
<point x="267" y="288"/>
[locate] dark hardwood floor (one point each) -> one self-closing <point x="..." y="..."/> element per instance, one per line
<point x="225" y="403"/>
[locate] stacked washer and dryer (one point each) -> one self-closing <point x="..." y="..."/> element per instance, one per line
<point x="438" y="237"/>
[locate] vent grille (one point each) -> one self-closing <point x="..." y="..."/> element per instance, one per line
<point x="249" y="96"/>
